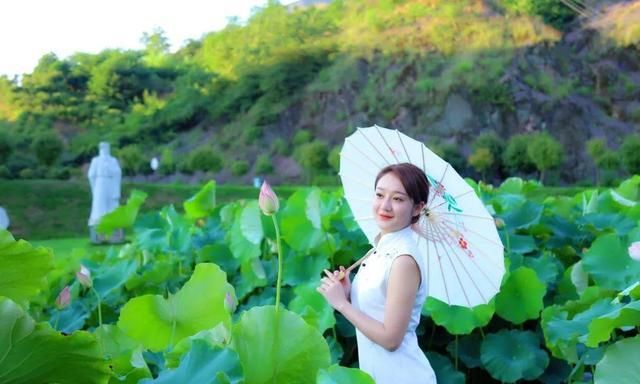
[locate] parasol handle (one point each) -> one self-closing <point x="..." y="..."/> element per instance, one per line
<point x="347" y="271"/>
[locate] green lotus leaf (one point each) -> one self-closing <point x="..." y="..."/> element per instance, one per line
<point x="523" y="216"/>
<point x="202" y="203"/>
<point x="520" y="297"/>
<point x="109" y="278"/>
<point x="246" y="233"/>
<point x="517" y="243"/>
<point x="609" y="264"/>
<point x="302" y="268"/>
<point x="302" y="220"/>
<point x="467" y="348"/>
<point x="313" y="308"/>
<point x="600" y="328"/>
<point x="458" y="320"/>
<point x="35" y="353"/>
<point x="278" y="347"/>
<point x="511" y="355"/>
<point x="219" y="254"/>
<point x="123" y="353"/>
<point x="506" y="202"/>
<point x="203" y="364"/>
<point x="564" y="326"/>
<point x="217" y="336"/>
<point x="123" y="216"/>
<point x="24" y="268"/>
<point x="336" y="374"/>
<point x="252" y="275"/>
<point x="548" y="268"/>
<point x="446" y="373"/>
<point x="620" y="363"/>
<point x="579" y="278"/>
<point x="604" y="222"/>
<point x="157" y="322"/>
<point x="335" y="349"/>
<point x="556" y="373"/>
<point x="629" y="190"/>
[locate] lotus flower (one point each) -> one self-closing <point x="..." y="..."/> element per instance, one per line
<point x="230" y="302"/>
<point x="268" y="200"/>
<point x="499" y="223"/>
<point x="634" y="250"/>
<point x="84" y="277"/>
<point x="64" y="298"/>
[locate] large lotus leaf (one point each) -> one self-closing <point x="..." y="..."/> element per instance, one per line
<point x="511" y="355"/>
<point x="600" y="328"/>
<point x="278" y="347"/>
<point x="547" y="267"/>
<point x="123" y="216"/>
<point x="153" y="275"/>
<point x="446" y="373"/>
<point x="579" y="278"/>
<point x="520" y="297"/>
<point x="252" y="275"/>
<point x="202" y="203"/>
<point x="157" y="322"/>
<point x="605" y="222"/>
<point x="507" y="201"/>
<point x="336" y="374"/>
<point x="203" y="364"/>
<point x="35" y="353"/>
<point x="219" y="254"/>
<point x="178" y="230"/>
<point x="517" y="243"/>
<point x="73" y="317"/>
<point x="564" y="326"/>
<point x="563" y="231"/>
<point x="335" y="349"/>
<point x="313" y="308"/>
<point x="561" y="206"/>
<point x="110" y="278"/>
<point x="217" y="336"/>
<point x="301" y="268"/>
<point x="458" y="320"/>
<point x="629" y="190"/>
<point x="302" y="220"/>
<point x="246" y="233"/>
<point x="123" y="353"/>
<point x="23" y="268"/>
<point x="467" y="348"/>
<point x="609" y="264"/>
<point x="556" y="373"/>
<point x="523" y="216"/>
<point x="620" y="363"/>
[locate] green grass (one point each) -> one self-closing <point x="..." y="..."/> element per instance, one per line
<point x="53" y="209"/>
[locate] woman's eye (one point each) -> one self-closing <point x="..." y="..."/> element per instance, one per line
<point x="378" y="195"/>
<point x="397" y="199"/>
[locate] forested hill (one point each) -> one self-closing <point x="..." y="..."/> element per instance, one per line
<point x="482" y="82"/>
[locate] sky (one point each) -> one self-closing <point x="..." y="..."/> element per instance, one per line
<point x="30" y="29"/>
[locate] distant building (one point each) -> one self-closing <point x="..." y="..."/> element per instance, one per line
<point x="300" y="4"/>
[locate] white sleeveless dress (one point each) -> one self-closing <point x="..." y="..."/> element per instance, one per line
<point x="407" y="364"/>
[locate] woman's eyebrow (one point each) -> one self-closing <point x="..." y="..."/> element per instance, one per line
<point x="399" y="192"/>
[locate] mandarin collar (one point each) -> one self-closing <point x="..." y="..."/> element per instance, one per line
<point x="389" y="238"/>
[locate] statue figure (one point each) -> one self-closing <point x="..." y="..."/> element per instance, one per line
<point x="105" y="177"/>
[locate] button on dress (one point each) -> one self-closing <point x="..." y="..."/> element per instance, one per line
<point x="407" y="364"/>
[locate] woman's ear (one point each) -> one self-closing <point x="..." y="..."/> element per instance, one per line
<point x="417" y="208"/>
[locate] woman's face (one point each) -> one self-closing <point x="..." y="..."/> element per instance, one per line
<point x="392" y="207"/>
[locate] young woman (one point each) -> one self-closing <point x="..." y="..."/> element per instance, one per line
<point x="388" y="292"/>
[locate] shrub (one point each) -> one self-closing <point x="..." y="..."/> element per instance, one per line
<point x="5" y="147"/>
<point x="301" y="137"/>
<point x="59" y="173"/>
<point x="334" y="158"/>
<point x="545" y="152"/>
<point x="251" y="134"/>
<point x="630" y="154"/>
<point x="239" y="167"/>
<point x="167" y="162"/>
<point x="494" y="145"/>
<point x="312" y="156"/>
<point x="131" y="159"/>
<point x="47" y="148"/>
<point x="27" y="173"/>
<point x="205" y="159"/>
<point x="515" y="157"/>
<point x="280" y="147"/>
<point x="481" y="160"/>
<point x="264" y="165"/>
<point x="4" y="172"/>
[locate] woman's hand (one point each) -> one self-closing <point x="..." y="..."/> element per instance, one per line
<point x="334" y="290"/>
<point x="345" y="280"/>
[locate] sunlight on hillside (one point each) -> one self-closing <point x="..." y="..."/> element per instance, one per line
<point x="620" y="23"/>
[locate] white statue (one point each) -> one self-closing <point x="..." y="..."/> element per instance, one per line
<point x="105" y="177"/>
<point x="4" y="219"/>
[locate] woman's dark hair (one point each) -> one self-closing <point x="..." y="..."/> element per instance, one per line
<point x="413" y="179"/>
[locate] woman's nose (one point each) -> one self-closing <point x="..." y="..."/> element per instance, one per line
<point x="386" y="204"/>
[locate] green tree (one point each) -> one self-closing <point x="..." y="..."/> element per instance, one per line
<point x="515" y="157"/>
<point x="312" y="157"/>
<point x="545" y="152"/>
<point x="603" y="158"/>
<point x="630" y="154"/>
<point x="482" y="160"/>
<point x="131" y="159"/>
<point x="47" y="147"/>
<point x="301" y="137"/>
<point x="264" y="164"/>
<point x="334" y="158"/>
<point x="6" y="147"/>
<point x="239" y="167"/>
<point x="205" y="159"/>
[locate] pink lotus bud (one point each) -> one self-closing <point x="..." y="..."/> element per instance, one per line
<point x="499" y="223"/>
<point x="230" y="302"/>
<point x="634" y="250"/>
<point x="64" y="298"/>
<point x="268" y="201"/>
<point x="84" y="277"/>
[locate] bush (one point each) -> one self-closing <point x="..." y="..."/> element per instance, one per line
<point x="59" y="173"/>
<point x="301" y="137"/>
<point x="630" y="154"/>
<point x="545" y="152"/>
<point x="47" y="148"/>
<point x="280" y="147"/>
<point x="264" y="165"/>
<point x="167" y="162"/>
<point x="251" y="134"/>
<point x="5" y="147"/>
<point x="205" y="159"/>
<point x="334" y="158"/>
<point x="481" y="160"/>
<point x="131" y="159"/>
<point x="4" y="172"/>
<point x="239" y="168"/>
<point x="313" y="156"/>
<point x="552" y="12"/>
<point x="515" y="157"/>
<point x="27" y="173"/>
<point x="19" y="161"/>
